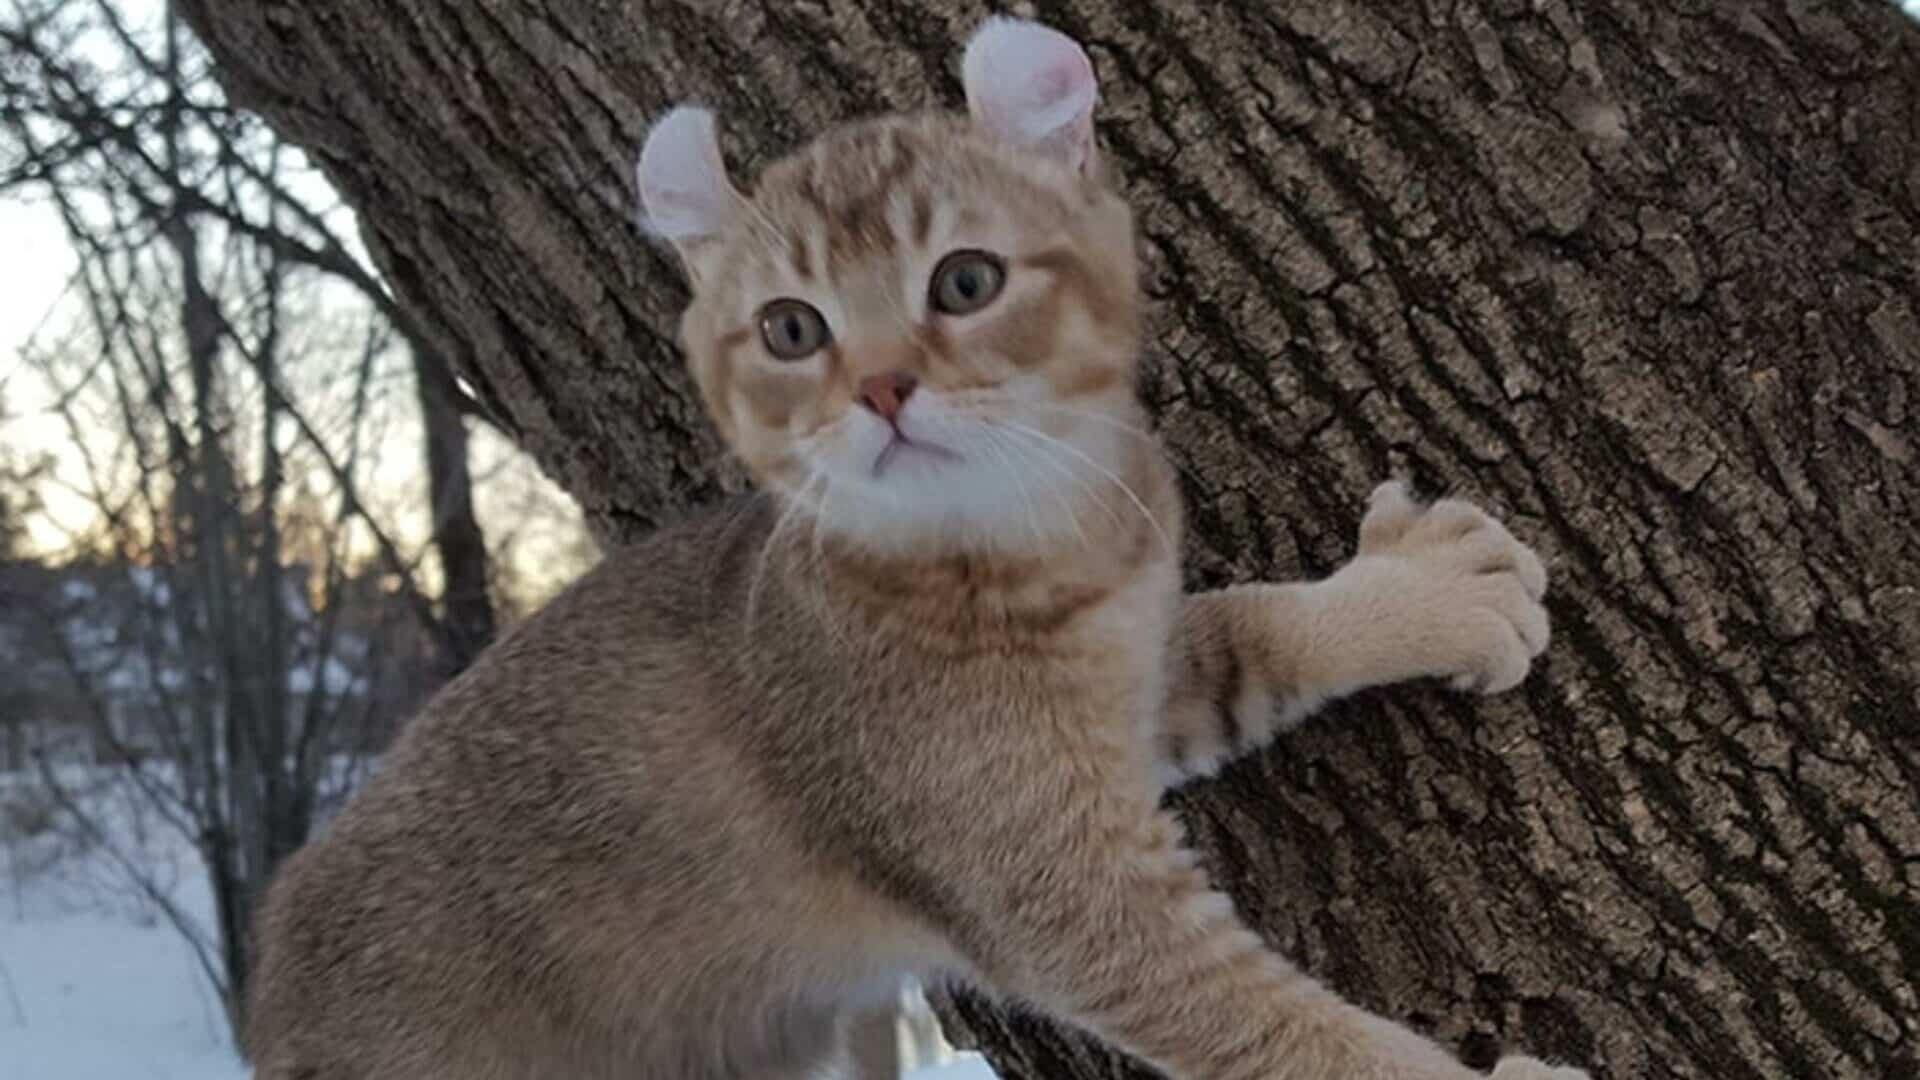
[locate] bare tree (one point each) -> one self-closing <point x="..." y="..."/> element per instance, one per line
<point x="228" y="370"/>
<point x="19" y="497"/>
<point x="90" y="98"/>
<point x="20" y="475"/>
<point x="210" y="672"/>
<point x="1639" y="274"/>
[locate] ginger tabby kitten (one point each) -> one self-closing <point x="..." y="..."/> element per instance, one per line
<point x="909" y="712"/>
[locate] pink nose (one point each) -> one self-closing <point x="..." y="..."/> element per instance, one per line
<point x="886" y="394"/>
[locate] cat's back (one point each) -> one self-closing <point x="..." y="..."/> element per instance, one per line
<point x="608" y="684"/>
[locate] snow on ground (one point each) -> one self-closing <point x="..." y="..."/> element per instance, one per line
<point x="88" y="996"/>
<point x="96" y="985"/>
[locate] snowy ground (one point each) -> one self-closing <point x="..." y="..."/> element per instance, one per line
<point x="94" y="985"/>
<point x="91" y="997"/>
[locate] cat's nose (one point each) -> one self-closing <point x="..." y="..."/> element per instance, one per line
<point x="886" y="394"/>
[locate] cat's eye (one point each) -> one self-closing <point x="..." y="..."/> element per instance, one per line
<point x="965" y="282"/>
<point x="793" y="329"/>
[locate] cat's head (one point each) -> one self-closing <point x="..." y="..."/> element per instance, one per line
<point x="921" y="325"/>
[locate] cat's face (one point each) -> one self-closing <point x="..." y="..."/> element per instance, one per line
<point x="919" y="325"/>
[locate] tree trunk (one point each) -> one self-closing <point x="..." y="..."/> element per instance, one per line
<point x="1639" y="274"/>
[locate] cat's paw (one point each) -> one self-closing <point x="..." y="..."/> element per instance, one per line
<point x="1526" y="1068"/>
<point x="1454" y="594"/>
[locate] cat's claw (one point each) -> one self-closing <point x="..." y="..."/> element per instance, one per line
<point x="1464" y="592"/>
<point x="1526" y="1068"/>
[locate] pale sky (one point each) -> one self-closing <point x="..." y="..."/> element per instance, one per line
<point x="35" y="263"/>
<point x="33" y="269"/>
<point x="34" y="266"/>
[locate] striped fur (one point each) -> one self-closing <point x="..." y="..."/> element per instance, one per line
<point x="1441" y="592"/>
<point x="883" y="720"/>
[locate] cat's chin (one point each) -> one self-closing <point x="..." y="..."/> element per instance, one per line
<point x="915" y="456"/>
<point x="930" y="514"/>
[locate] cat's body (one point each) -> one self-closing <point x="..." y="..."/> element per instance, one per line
<point x="651" y="824"/>
<point x="911" y="714"/>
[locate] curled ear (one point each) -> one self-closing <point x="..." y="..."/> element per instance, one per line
<point x="685" y="195"/>
<point x="1031" y="86"/>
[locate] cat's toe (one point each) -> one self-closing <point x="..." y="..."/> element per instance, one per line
<point x="1390" y="512"/>
<point x="1532" y="572"/>
<point x="1449" y="521"/>
<point x="1504" y="656"/>
<point x="1526" y="615"/>
<point x="1494" y="550"/>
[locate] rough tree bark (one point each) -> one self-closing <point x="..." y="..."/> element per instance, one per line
<point x="1639" y="273"/>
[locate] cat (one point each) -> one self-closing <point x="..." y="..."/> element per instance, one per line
<point x="908" y="711"/>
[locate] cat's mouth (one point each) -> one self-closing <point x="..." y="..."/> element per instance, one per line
<point x="900" y="447"/>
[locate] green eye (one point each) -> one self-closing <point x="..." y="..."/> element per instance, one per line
<point x="792" y="329"/>
<point x="965" y="282"/>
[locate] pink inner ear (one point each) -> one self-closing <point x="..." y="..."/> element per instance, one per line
<point x="1056" y="80"/>
<point x="1030" y="83"/>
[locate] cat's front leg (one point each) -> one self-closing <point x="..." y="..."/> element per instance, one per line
<point x="1441" y="590"/>
<point x="1126" y="939"/>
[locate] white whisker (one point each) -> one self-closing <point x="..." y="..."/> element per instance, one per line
<point x="1165" y="540"/>
<point x="763" y="224"/>
<point x="1046" y="455"/>
<point x="819" y="556"/>
<point x="1099" y="417"/>
<point x="1013" y="473"/>
<point x="826" y="504"/>
<point x="997" y="440"/>
<point x="798" y="502"/>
